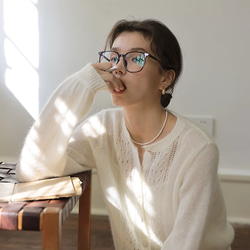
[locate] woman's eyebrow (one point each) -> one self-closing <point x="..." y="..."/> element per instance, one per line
<point x="131" y="49"/>
<point x="138" y="49"/>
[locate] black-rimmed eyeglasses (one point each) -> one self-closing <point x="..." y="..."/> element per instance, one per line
<point x="133" y="61"/>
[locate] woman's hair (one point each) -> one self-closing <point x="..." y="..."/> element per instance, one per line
<point x="163" y="44"/>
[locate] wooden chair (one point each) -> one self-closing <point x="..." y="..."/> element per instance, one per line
<point x="48" y="216"/>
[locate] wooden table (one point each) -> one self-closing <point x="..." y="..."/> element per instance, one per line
<point x="48" y="216"/>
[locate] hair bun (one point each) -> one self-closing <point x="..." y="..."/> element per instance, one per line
<point x="165" y="99"/>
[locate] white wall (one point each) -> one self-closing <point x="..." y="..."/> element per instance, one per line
<point x="214" y="36"/>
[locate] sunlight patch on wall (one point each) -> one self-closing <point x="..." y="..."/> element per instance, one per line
<point x="21" y="48"/>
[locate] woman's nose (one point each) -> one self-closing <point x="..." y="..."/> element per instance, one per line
<point x="120" y="66"/>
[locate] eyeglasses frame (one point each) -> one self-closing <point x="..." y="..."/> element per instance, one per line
<point x="124" y="61"/>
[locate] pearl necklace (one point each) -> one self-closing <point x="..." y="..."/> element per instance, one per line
<point x="156" y="137"/>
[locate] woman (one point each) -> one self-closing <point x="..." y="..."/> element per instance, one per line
<point x="157" y="171"/>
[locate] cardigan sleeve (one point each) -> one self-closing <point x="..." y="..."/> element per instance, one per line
<point x="44" y="153"/>
<point x="200" y="214"/>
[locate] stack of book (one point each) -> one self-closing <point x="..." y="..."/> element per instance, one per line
<point x="11" y="190"/>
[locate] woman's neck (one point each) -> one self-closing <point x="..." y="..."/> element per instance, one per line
<point x="144" y="124"/>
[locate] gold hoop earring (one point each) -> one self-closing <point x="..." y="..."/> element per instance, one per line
<point x="163" y="92"/>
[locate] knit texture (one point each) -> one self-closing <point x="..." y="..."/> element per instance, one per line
<point x="171" y="201"/>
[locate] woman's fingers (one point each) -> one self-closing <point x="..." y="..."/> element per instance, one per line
<point x="102" y="66"/>
<point x="111" y="78"/>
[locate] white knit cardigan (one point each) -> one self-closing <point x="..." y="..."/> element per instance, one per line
<point x="171" y="201"/>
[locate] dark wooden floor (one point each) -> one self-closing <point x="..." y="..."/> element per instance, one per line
<point x="101" y="238"/>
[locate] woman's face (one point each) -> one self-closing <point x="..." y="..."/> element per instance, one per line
<point x="144" y="87"/>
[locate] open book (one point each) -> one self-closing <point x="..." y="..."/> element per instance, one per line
<point x="40" y="190"/>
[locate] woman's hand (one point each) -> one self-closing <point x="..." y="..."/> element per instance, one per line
<point x="112" y="80"/>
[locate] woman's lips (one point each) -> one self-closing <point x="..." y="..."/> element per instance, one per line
<point x="119" y="92"/>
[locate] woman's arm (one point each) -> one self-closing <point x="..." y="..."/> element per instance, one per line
<point x="200" y="214"/>
<point x="44" y="151"/>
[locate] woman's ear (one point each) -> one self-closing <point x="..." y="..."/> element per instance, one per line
<point x="167" y="80"/>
